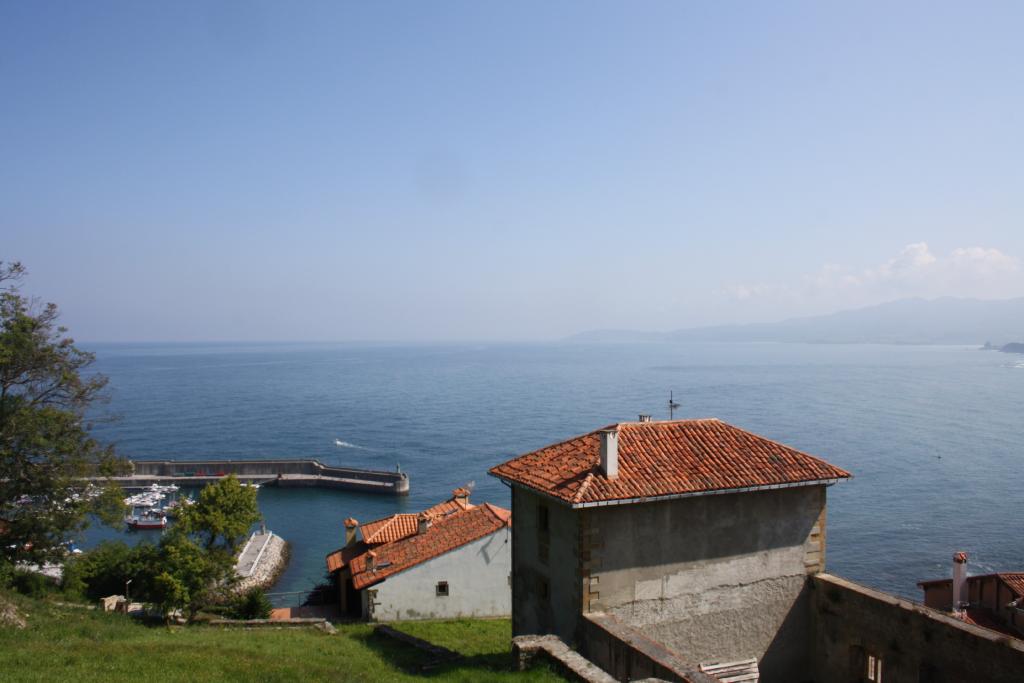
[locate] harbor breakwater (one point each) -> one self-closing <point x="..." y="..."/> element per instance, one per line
<point x="275" y="472"/>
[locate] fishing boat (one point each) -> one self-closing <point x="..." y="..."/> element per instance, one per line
<point x="148" y="519"/>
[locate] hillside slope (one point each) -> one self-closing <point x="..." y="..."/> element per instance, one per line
<point x="75" y="644"/>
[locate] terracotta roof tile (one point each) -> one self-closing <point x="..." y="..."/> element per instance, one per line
<point x="388" y="529"/>
<point x="403" y="525"/>
<point x="664" y="458"/>
<point x="1013" y="580"/>
<point x="341" y="557"/>
<point x="446" y="533"/>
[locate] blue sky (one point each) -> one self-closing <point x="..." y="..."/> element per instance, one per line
<point x="428" y="171"/>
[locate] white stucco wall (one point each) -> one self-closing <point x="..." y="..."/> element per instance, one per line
<point x="478" y="584"/>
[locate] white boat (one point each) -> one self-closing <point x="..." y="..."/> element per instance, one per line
<point x="148" y="519"/>
<point x="174" y="507"/>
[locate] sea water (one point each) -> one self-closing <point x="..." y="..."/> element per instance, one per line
<point x="932" y="434"/>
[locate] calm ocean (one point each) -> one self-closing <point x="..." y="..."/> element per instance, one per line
<point x="932" y="434"/>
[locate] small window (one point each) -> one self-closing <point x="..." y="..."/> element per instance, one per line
<point x="542" y="519"/>
<point x="874" y="672"/>
<point x="442" y="589"/>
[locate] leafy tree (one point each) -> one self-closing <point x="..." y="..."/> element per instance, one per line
<point x="198" y="553"/>
<point x="222" y="516"/>
<point x="192" y="577"/>
<point x="46" y="449"/>
<point x="106" y="569"/>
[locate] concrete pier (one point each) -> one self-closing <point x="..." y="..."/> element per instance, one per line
<point x="277" y="472"/>
<point x="260" y="561"/>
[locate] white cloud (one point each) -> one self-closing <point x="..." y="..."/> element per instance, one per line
<point x="916" y="271"/>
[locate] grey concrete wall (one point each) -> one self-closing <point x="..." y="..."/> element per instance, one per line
<point x="628" y="655"/>
<point x="916" y="644"/>
<point x="559" y="613"/>
<point x="714" y="578"/>
<point x="478" y="584"/>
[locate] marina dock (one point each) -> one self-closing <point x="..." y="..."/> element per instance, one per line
<point x="277" y="472"/>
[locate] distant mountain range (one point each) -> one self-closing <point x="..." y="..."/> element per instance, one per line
<point x="947" y="320"/>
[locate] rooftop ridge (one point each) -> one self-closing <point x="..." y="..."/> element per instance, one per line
<point x="668" y="458"/>
<point x="587" y="481"/>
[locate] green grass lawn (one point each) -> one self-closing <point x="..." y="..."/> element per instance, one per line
<point x="73" y="644"/>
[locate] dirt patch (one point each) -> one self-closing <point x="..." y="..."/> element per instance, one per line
<point x="9" y="616"/>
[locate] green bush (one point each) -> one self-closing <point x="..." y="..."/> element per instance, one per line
<point x="31" y="584"/>
<point x="252" y="604"/>
<point x="6" y="573"/>
<point x="106" y="569"/>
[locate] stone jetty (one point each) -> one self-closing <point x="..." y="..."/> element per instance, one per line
<point x="261" y="561"/>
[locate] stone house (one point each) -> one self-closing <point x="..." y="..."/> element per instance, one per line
<point x="451" y="560"/>
<point x="699" y="534"/>
<point x="692" y="550"/>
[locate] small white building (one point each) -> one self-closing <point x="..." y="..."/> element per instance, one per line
<point x="452" y="560"/>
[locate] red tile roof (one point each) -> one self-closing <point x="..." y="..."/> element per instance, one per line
<point x="388" y="529"/>
<point x="665" y="459"/>
<point x="403" y="525"/>
<point x="341" y="557"/>
<point x="1013" y="580"/>
<point x="446" y="533"/>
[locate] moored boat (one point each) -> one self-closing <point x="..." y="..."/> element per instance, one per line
<point x="147" y="520"/>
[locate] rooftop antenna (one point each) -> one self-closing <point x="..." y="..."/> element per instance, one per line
<point x="672" y="405"/>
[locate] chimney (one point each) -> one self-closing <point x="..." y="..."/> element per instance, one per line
<point x="461" y="496"/>
<point x="371" y="561"/>
<point x="422" y="523"/>
<point x="350" y="531"/>
<point x="960" y="596"/>
<point x="610" y="452"/>
<point x="645" y="418"/>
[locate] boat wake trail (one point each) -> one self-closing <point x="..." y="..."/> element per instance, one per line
<point x="345" y="444"/>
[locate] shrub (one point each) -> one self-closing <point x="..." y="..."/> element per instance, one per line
<point x="6" y="573"/>
<point x="31" y="584"/>
<point x="252" y="604"/>
<point x="106" y="569"/>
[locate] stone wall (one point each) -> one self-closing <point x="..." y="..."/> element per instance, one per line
<point x="916" y="644"/>
<point x="628" y="655"/>
<point x="713" y="578"/>
<point x="571" y="665"/>
<point x="546" y="590"/>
